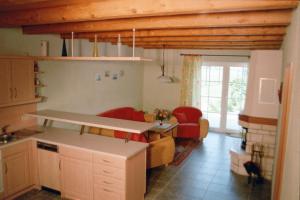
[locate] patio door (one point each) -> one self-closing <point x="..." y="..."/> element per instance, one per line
<point x="222" y="93"/>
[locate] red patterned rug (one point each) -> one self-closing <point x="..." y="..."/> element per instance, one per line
<point x="183" y="149"/>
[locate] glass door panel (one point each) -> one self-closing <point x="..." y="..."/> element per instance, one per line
<point x="211" y="94"/>
<point x="237" y="86"/>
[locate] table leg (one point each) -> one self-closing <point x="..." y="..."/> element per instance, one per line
<point x="127" y="137"/>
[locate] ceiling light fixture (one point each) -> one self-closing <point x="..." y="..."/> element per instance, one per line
<point x="164" y="78"/>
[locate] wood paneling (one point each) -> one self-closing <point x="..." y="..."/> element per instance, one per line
<point x="14" y="116"/>
<point x="258" y="120"/>
<point x="235" y="19"/>
<point x="103" y="10"/>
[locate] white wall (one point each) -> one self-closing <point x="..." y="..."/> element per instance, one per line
<point x="291" y="54"/>
<point x="71" y="86"/>
<point x="167" y="95"/>
<point x="263" y="64"/>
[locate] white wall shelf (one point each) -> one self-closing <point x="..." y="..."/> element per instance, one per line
<point x="69" y="58"/>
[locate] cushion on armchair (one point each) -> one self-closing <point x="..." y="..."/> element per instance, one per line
<point x="188" y="130"/>
<point x="181" y="117"/>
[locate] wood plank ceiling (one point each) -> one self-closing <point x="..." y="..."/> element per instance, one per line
<point x="178" y="24"/>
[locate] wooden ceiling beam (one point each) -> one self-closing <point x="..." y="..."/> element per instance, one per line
<point x="236" y="19"/>
<point x="205" y="43"/>
<point x="213" y="47"/>
<point x="241" y="31"/>
<point x="117" y="9"/>
<point x="17" y="5"/>
<point x="199" y="39"/>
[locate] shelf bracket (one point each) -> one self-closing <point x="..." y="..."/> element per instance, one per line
<point x="45" y="123"/>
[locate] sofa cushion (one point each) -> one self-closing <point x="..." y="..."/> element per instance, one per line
<point x="138" y="116"/>
<point x="188" y="130"/>
<point x="119" y="113"/>
<point x="181" y="117"/>
<point x="133" y="137"/>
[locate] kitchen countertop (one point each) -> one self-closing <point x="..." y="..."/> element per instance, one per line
<point x="93" y="121"/>
<point x="96" y="143"/>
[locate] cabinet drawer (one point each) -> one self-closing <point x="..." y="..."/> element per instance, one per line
<point x="101" y="192"/>
<point x="109" y="160"/>
<point x="76" y="153"/>
<point x="109" y="182"/>
<point x="109" y="171"/>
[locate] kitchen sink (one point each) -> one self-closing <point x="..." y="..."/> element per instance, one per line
<point x="4" y="139"/>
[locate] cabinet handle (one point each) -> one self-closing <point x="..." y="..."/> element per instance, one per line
<point x="108" y="183"/>
<point x="6" y="169"/>
<point x="106" y="161"/>
<point x="107" y="172"/>
<point x="106" y="190"/>
<point x="16" y="93"/>
<point x="59" y="165"/>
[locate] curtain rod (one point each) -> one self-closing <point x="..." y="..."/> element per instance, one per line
<point x="183" y="54"/>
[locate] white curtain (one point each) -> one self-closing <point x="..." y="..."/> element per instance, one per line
<point x="190" y="84"/>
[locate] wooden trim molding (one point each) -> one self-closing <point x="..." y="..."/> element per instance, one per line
<point x="258" y="120"/>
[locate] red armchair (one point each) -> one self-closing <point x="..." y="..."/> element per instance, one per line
<point x="189" y="119"/>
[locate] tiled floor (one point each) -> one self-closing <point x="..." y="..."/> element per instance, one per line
<point x="205" y="175"/>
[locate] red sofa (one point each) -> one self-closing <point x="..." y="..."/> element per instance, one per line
<point x="188" y="119"/>
<point x="126" y="113"/>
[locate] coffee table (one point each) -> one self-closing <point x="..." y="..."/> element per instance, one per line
<point x="164" y="128"/>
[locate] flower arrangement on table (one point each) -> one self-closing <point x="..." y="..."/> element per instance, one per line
<point x="162" y="114"/>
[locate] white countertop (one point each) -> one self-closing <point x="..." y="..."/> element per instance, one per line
<point x="93" y="121"/>
<point x="97" y="143"/>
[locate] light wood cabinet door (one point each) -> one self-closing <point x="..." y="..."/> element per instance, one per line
<point x="48" y="167"/>
<point x="76" y="179"/>
<point x="5" y="82"/>
<point x="16" y="176"/>
<point x="22" y="80"/>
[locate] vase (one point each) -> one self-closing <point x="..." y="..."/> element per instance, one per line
<point x="95" y="48"/>
<point x="160" y="122"/>
<point x="64" y="49"/>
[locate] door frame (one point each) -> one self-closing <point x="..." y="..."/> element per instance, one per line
<point x="284" y="121"/>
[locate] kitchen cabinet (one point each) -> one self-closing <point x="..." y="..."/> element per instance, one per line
<point x="16" y="81"/>
<point x="22" y="73"/>
<point x="49" y="169"/>
<point x="76" y="174"/>
<point x="86" y="175"/>
<point x="5" y="82"/>
<point x="16" y="173"/>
